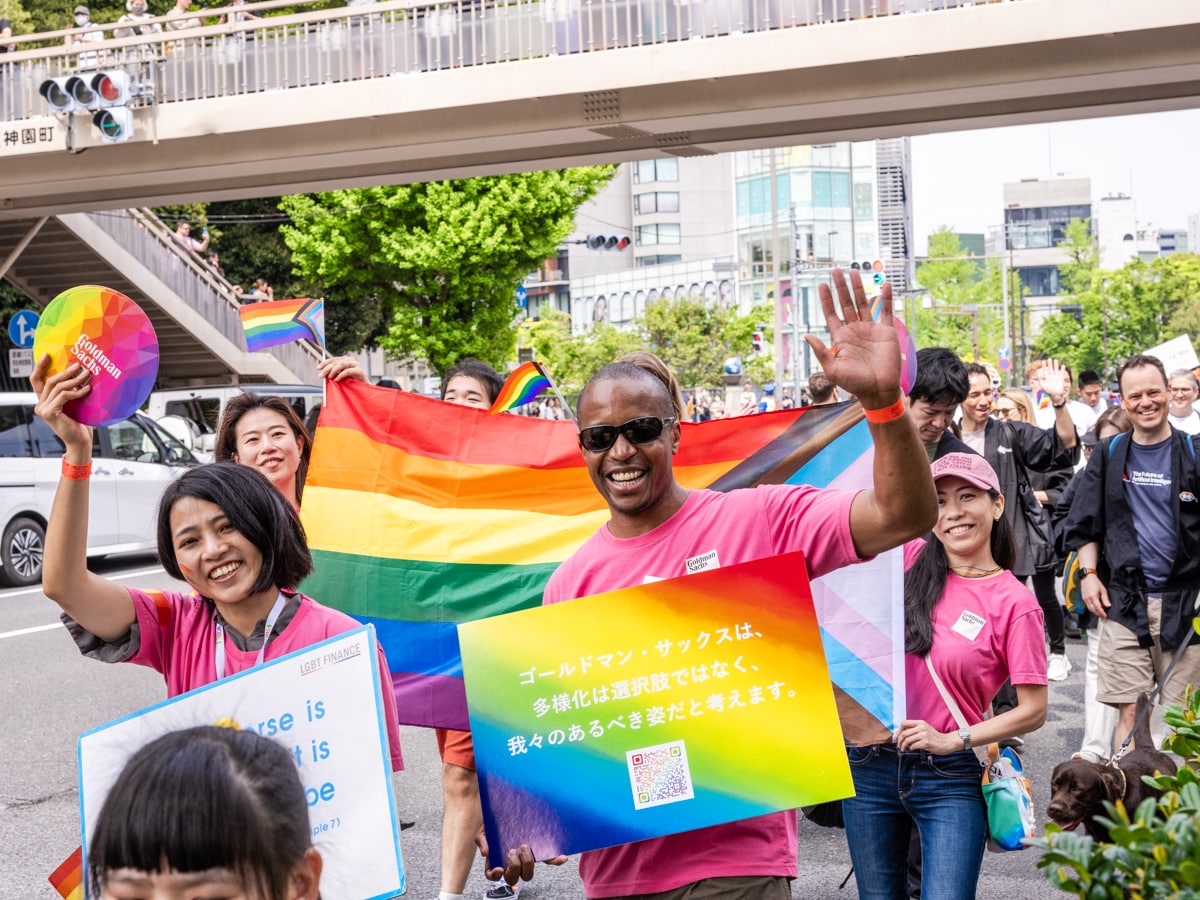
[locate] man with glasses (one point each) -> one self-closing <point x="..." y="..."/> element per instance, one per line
<point x="1182" y="393"/>
<point x="1135" y="521"/>
<point x="628" y="437"/>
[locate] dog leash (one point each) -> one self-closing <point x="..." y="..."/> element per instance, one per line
<point x="1154" y="695"/>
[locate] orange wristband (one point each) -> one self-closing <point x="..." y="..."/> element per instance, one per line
<point x="887" y="413"/>
<point x="73" y="472"/>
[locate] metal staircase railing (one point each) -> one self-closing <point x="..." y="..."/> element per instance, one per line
<point x="147" y="238"/>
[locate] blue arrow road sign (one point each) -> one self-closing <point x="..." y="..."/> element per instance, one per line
<point x="21" y="328"/>
<point x="522" y="294"/>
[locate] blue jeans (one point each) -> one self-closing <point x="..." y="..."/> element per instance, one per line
<point x="941" y="796"/>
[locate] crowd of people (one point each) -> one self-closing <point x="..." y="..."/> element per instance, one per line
<point x="983" y="491"/>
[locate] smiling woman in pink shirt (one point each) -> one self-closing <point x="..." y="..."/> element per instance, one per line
<point x="224" y="530"/>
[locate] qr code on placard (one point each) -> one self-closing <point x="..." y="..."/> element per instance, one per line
<point x="659" y="775"/>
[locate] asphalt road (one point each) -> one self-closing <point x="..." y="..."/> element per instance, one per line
<point x="49" y="695"/>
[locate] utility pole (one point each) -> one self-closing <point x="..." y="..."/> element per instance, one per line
<point x="798" y="295"/>
<point x="776" y="271"/>
<point x="1005" y="269"/>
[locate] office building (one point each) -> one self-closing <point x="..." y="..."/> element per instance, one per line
<point x="1036" y="213"/>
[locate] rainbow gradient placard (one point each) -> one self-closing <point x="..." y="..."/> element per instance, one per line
<point x="107" y="333"/>
<point x="653" y="710"/>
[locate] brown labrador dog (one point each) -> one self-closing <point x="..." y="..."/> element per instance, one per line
<point x="1078" y="788"/>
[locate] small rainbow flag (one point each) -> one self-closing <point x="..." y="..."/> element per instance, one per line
<point x="67" y="879"/>
<point x="524" y="383"/>
<point x="422" y="514"/>
<point x="1043" y="400"/>
<point x="273" y="322"/>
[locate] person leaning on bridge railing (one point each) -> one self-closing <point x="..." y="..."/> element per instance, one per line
<point x="6" y="32"/>
<point x="93" y="35"/>
<point x="178" y="18"/>
<point x="136" y="21"/>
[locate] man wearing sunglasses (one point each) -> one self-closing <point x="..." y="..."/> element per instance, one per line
<point x="628" y="436"/>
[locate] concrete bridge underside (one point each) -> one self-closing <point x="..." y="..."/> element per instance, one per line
<point x="986" y="65"/>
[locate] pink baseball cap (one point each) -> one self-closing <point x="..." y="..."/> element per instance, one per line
<point x="970" y="467"/>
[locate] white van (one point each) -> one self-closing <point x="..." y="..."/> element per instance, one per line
<point x="202" y="407"/>
<point x="133" y="461"/>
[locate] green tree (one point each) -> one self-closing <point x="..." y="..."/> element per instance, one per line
<point x="695" y="337"/>
<point x="246" y="235"/>
<point x="441" y="260"/>
<point x="15" y="12"/>
<point x="1083" y="255"/>
<point x="572" y="359"/>
<point x="1179" y="276"/>
<point x="964" y="300"/>
<point x="1122" y="313"/>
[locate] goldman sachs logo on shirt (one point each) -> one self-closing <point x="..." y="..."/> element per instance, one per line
<point x="703" y="562"/>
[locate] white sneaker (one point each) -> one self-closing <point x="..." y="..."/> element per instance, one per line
<point x="1059" y="668"/>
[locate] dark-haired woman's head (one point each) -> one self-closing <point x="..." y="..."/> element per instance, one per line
<point x="971" y="537"/>
<point x="210" y="808"/>
<point x="224" y="501"/>
<point x="266" y="433"/>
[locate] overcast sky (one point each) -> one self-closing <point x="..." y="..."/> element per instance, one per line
<point x="958" y="177"/>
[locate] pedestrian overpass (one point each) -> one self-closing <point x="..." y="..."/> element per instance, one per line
<point x="409" y="90"/>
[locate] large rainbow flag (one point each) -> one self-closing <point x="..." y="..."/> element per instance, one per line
<point x="423" y="514"/>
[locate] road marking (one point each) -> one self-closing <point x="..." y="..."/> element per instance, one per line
<point x="137" y="573"/>
<point x="34" y="630"/>
<point x="37" y="590"/>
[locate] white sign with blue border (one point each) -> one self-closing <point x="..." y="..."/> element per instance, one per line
<point x="323" y="704"/>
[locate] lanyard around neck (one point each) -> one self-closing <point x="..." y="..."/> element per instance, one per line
<point x="272" y="618"/>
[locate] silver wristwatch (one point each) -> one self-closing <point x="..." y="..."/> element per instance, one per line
<point x="965" y="734"/>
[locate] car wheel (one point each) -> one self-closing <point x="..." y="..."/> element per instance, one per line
<point x="21" y="551"/>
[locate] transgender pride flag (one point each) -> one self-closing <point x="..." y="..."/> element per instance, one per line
<point x="423" y="514"/>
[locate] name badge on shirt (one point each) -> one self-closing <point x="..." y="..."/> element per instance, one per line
<point x="969" y="625"/>
<point x="703" y="562"/>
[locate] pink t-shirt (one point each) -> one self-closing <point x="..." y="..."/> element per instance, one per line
<point x="709" y="530"/>
<point x="984" y="631"/>
<point x="178" y="638"/>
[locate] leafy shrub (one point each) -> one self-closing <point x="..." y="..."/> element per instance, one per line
<point x="1155" y="851"/>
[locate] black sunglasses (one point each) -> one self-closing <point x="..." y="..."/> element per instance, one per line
<point x="643" y="430"/>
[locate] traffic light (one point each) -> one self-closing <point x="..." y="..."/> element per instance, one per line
<point x="608" y="241"/>
<point x="80" y="89"/>
<point x="54" y="92"/>
<point x="112" y="88"/>
<point x="757" y="340"/>
<point x="115" y="124"/>
<point x="107" y="94"/>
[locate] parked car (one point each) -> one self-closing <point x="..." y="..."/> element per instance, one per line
<point x="133" y="461"/>
<point x="203" y="405"/>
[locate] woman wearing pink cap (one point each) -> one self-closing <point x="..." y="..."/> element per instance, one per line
<point x="977" y="625"/>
